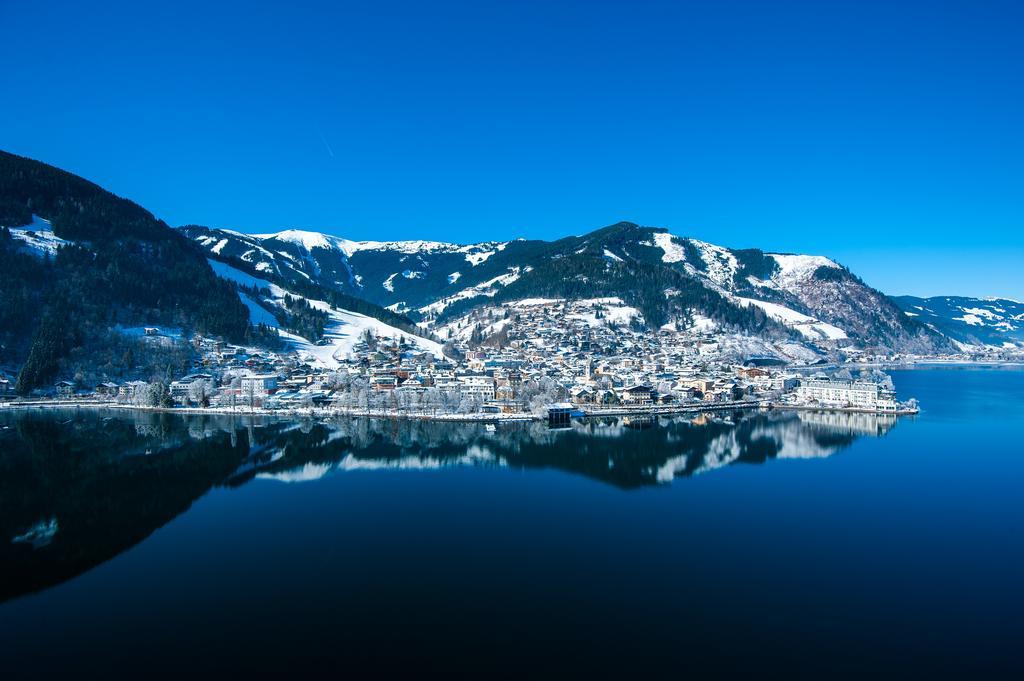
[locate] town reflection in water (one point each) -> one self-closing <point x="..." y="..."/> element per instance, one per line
<point x="79" y="487"/>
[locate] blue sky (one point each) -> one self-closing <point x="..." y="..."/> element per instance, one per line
<point x="885" y="134"/>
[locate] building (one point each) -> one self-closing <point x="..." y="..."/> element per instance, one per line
<point x="844" y="393"/>
<point x="107" y="389"/>
<point x="637" y="395"/>
<point x="258" y="385"/>
<point x="65" y="389"/>
<point x="480" y="386"/>
<point x="131" y="388"/>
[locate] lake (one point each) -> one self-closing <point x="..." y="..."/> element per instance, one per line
<point x="805" y="544"/>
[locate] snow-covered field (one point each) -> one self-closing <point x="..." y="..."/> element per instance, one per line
<point x="487" y="288"/>
<point x="808" y="326"/>
<point x="39" y="236"/>
<point x="343" y="331"/>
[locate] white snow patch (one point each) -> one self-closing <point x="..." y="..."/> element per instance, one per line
<point x="454" y="277"/>
<point x="475" y="259"/>
<point x="981" y="312"/>
<point x="38" y="235"/>
<point x="343" y="330"/>
<point x="721" y="263"/>
<point x="257" y="313"/>
<point x="668" y="243"/>
<point x="808" y="326"/>
<point x="487" y="288"/>
<point x="231" y="274"/>
<point x="971" y="319"/>
<point x="797" y="269"/>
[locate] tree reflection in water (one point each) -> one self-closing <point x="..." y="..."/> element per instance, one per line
<point x="79" y="487"/>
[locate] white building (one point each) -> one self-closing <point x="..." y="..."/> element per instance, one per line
<point x="843" y="393"/>
<point x="258" y="385"/>
<point x="482" y="386"/>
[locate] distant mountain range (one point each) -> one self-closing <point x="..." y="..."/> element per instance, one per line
<point x="80" y="266"/>
<point x="671" y="279"/>
<point x="990" y="321"/>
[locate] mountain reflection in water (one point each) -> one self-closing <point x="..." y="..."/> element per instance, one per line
<point x="78" y="488"/>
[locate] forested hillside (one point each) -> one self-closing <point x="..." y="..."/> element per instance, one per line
<point x="119" y="266"/>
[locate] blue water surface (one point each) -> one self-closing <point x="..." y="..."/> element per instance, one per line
<point x="755" y="544"/>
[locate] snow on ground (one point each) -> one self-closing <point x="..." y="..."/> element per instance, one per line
<point x="981" y="312"/>
<point x="721" y="263"/>
<point x="257" y="313"/>
<point x="531" y="302"/>
<point x="475" y="253"/>
<point x="454" y="277"/>
<point x="796" y="269"/>
<point x="808" y="326"/>
<point x="673" y="251"/>
<point x="220" y="246"/>
<point x="973" y="320"/>
<point x="162" y="331"/>
<point x="389" y="283"/>
<point x="612" y="256"/>
<point x="613" y="312"/>
<point x="343" y="331"/>
<point x="38" y="236"/>
<point x="475" y="259"/>
<point x="308" y="240"/>
<point x="239" y="277"/>
<point x="703" y="324"/>
<point x="487" y="288"/>
<point x="413" y="274"/>
<point x="463" y="328"/>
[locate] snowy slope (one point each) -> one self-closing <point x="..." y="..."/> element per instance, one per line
<point x="812" y="294"/>
<point x="343" y="331"/>
<point x="38" y="236"/>
<point x="990" y="321"/>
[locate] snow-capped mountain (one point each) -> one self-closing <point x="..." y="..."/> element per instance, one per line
<point x="669" y="278"/>
<point x="991" y="321"/>
<point x="399" y="274"/>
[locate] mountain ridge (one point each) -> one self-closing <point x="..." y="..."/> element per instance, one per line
<point x="764" y="292"/>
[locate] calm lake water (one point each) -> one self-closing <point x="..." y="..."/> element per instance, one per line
<point x="803" y="544"/>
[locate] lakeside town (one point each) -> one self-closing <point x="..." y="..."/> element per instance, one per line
<point x="526" y="360"/>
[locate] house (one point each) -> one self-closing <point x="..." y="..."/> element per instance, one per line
<point x="65" y="389"/>
<point x="639" y="395"/>
<point x="583" y="395"/>
<point x="131" y="388"/>
<point x="107" y="389"/>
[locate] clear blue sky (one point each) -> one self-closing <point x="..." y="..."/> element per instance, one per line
<point x="885" y="134"/>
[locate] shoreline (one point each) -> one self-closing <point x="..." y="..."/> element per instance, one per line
<point x="325" y="414"/>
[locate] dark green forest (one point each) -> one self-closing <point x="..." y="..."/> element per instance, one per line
<point x="126" y="267"/>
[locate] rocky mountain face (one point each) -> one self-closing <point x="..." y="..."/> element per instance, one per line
<point x="671" y="279"/>
<point x="989" y="321"/>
